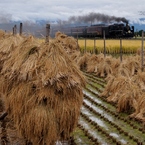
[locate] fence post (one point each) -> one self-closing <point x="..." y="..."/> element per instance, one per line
<point x="15" y="29"/>
<point x="47" y="33"/>
<point x="21" y="27"/>
<point x="104" y="44"/>
<point x="142" y="51"/>
<point x="77" y="40"/>
<point x="85" y="45"/>
<point x="94" y="45"/>
<point x="120" y="49"/>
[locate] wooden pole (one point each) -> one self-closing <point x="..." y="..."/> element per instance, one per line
<point x="21" y="27"/>
<point x="77" y="39"/>
<point x="15" y="29"/>
<point x="47" y="32"/>
<point x="104" y="44"/>
<point x="94" y="45"/>
<point x="120" y="50"/>
<point x="142" y="51"/>
<point x="85" y="45"/>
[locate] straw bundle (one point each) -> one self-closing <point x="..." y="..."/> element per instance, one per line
<point x="44" y="93"/>
<point x="83" y="60"/>
<point x="115" y="64"/>
<point x="75" y="56"/>
<point x="139" y="79"/>
<point x="69" y="43"/>
<point x="130" y="66"/>
<point x="7" y="45"/>
<point x="108" y="88"/>
<point x="123" y="91"/>
<point x="140" y="109"/>
<point x="116" y="88"/>
<point x="128" y="99"/>
<point x="104" y="67"/>
<point x="2" y="33"/>
<point x="92" y="63"/>
<point x="59" y="35"/>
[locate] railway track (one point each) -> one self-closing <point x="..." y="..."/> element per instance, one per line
<point x="100" y="124"/>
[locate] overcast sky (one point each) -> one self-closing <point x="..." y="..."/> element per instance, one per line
<point x="31" y="10"/>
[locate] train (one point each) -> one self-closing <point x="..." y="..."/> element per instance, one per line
<point x="116" y="30"/>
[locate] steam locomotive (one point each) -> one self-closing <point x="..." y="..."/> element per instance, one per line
<point x="116" y="30"/>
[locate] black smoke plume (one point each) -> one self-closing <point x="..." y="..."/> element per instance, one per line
<point x="96" y="17"/>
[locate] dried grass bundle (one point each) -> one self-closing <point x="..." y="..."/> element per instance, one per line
<point x="83" y="60"/>
<point x="7" y="45"/>
<point x="75" y="56"/>
<point x="104" y="67"/>
<point x="60" y="36"/>
<point x="130" y="66"/>
<point x="69" y="43"/>
<point x="108" y="88"/>
<point x="2" y="33"/>
<point x="92" y="62"/>
<point x="115" y="64"/>
<point x="140" y="109"/>
<point x="44" y="93"/>
<point x="123" y="91"/>
<point x="139" y="79"/>
<point x="129" y="98"/>
<point x="117" y="87"/>
<point x="19" y="56"/>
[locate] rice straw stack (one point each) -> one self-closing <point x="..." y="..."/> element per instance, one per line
<point x="43" y="94"/>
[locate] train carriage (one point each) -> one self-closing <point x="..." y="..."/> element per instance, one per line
<point x="117" y="30"/>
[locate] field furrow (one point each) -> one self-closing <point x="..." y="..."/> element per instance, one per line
<point x="100" y="123"/>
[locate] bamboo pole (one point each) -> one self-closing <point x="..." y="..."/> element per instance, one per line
<point x="47" y="33"/>
<point x="142" y="51"/>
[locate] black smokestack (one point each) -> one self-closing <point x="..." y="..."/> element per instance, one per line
<point x="96" y="17"/>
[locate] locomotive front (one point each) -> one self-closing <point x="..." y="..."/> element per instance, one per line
<point x="121" y="31"/>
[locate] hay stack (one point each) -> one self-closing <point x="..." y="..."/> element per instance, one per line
<point x="83" y="61"/>
<point x="92" y="63"/>
<point x="2" y="33"/>
<point x="7" y="45"/>
<point x="104" y="66"/>
<point x="43" y="93"/>
<point x="108" y="88"/>
<point x="130" y="66"/>
<point x="128" y="99"/>
<point x="139" y="79"/>
<point x="123" y="91"/>
<point x="140" y="109"/>
<point x="69" y="43"/>
<point x="116" y="85"/>
<point x="75" y="56"/>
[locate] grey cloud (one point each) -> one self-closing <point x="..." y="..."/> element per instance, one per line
<point x="5" y="18"/>
<point x="32" y="10"/>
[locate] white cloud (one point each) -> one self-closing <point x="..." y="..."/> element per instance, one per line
<point x="62" y="9"/>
